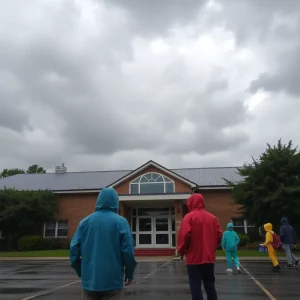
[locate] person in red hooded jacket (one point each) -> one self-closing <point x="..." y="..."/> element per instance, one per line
<point x="199" y="236"/>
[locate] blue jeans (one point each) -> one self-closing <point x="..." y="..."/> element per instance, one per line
<point x="289" y="255"/>
<point x="232" y="254"/>
<point x="205" y="273"/>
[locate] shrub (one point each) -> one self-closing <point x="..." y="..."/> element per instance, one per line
<point x="244" y="240"/>
<point x="29" y="243"/>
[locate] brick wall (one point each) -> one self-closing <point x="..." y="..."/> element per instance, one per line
<point x="74" y="207"/>
<point x="219" y="203"/>
<point x="180" y="187"/>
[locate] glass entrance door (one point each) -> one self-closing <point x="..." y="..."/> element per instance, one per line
<point x="145" y="232"/>
<point x="161" y="233"/>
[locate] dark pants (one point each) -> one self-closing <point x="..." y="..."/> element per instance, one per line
<point x="202" y="273"/>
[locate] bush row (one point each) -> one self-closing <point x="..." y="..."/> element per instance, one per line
<point x="34" y="243"/>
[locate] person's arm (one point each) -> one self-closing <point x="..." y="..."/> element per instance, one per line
<point x="281" y="234"/>
<point x="75" y="251"/>
<point x="224" y="241"/>
<point x="127" y="249"/>
<point x="219" y="233"/>
<point x="237" y="239"/>
<point x="268" y="239"/>
<point x="184" y="235"/>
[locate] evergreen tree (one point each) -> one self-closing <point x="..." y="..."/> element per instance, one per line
<point x="270" y="188"/>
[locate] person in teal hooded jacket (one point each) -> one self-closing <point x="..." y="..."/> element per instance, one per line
<point x="102" y="248"/>
<point x="230" y="241"/>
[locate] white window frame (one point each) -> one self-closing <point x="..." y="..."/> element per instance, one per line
<point x="245" y="226"/>
<point x="141" y="176"/>
<point x="56" y="230"/>
<point x="136" y="232"/>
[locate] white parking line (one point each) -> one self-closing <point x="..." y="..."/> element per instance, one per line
<point x="260" y="285"/>
<point x="49" y="292"/>
<point x="151" y="273"/>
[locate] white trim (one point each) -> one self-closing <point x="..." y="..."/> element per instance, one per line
<point x="151" y="163"/>
<point x="154" y="197"/>
<point x="145" y="174"/>
<point x="56" y="230"/>
<point x="77" y="191"/>
<point x="214" y="188"/>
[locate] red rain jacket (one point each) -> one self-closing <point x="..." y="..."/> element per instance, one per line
<point x="200" y="233"/>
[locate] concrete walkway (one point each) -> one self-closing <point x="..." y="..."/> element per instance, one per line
<point x="139" y="258"/>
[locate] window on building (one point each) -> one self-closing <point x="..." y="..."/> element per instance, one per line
<point x="241" y="226"/>
<point x="152" y="183"/>
<point x="56" y="229"/>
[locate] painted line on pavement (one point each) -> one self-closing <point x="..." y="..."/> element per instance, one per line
<point x="259" y="284"/>
<point x="151" y="273"/>
<point x="50" y="291"/>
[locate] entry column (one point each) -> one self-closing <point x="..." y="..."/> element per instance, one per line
<point x="178" y="217"/>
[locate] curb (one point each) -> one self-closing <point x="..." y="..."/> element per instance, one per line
<point x="138" y="259"/>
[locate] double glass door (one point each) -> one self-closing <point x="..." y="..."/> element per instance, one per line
<point x="154" y="232"/>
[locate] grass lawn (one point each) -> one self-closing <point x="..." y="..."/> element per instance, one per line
<point x="46" y="253"/>
<point x="65" y="253"/>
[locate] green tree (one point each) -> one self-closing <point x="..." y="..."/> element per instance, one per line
<point x="11" y="172"/>
<point x="270" y="188"/>
<point x="23" y="212"/>
<point x="35" y="169"/>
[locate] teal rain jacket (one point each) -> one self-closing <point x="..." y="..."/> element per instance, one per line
<point x="102" y="246"/>
<point x="230" y="239"/>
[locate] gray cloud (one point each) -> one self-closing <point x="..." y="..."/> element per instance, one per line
<point x="113" y="84"/>
<point x="155" y="17"/>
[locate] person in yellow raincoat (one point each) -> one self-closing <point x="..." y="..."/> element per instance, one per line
<point x="268" y="243"/>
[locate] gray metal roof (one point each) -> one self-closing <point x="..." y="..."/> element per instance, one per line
<point x="207" y="177"/>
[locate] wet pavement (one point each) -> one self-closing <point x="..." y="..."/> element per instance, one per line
<point x="153" y="280"/>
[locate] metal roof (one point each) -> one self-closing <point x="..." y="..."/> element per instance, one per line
<point x="70" y="181"/>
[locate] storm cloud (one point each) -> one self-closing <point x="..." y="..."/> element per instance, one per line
<point x="113" y="84"/>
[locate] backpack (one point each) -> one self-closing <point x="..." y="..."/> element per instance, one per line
<point x="276" y="242"/>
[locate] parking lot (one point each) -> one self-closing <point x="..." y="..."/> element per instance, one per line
<point x="154" y="280"/>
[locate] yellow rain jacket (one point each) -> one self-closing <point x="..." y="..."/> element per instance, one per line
<point x="268" y="243"/>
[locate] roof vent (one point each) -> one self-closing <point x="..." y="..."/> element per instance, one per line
<point x="61" y="169"/>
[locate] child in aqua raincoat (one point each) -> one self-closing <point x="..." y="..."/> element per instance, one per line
<point x="230" y="241"/>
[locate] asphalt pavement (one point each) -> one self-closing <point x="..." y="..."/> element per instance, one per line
<point x="55" y="280"/>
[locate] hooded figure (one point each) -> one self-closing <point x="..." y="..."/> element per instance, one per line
<point x="288" y="240"/>
<point x="199" y="236"/>
<point x="287" y="233"/>
<point x="230" y="241"/>
<point x="102" y="247"/>
<point x="268" y="243"/>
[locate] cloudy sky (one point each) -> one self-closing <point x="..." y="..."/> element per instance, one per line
<point x="111" y="84"/>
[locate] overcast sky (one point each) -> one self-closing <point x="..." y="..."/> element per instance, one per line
<point x="111" y="84"/>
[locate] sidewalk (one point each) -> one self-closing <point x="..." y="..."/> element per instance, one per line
<point x="139" y="259"/>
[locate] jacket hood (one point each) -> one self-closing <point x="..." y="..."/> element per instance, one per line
<point x="195" y="202"/>
<point x="284" y="221"/>
<point x="229" y="225"/>
<point x="108" y="199"/>
<point x="268" y="227"/>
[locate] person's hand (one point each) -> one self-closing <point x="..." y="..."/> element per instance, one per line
<point x="223" y="249"/>
<point x="181" y="258"/>
<point x="295" y="246"/>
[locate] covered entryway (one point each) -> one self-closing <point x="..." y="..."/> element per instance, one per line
<point x="153" y="227"/>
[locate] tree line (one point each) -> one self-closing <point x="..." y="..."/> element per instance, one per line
<point x="31" y="170"/>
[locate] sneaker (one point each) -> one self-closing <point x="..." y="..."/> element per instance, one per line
<point x="239" y="270"/>
<point x="275" y="269"/>
<point x="289" y="267"/>
<point x="297" y="264"/>
<point x="229" y="270"/>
